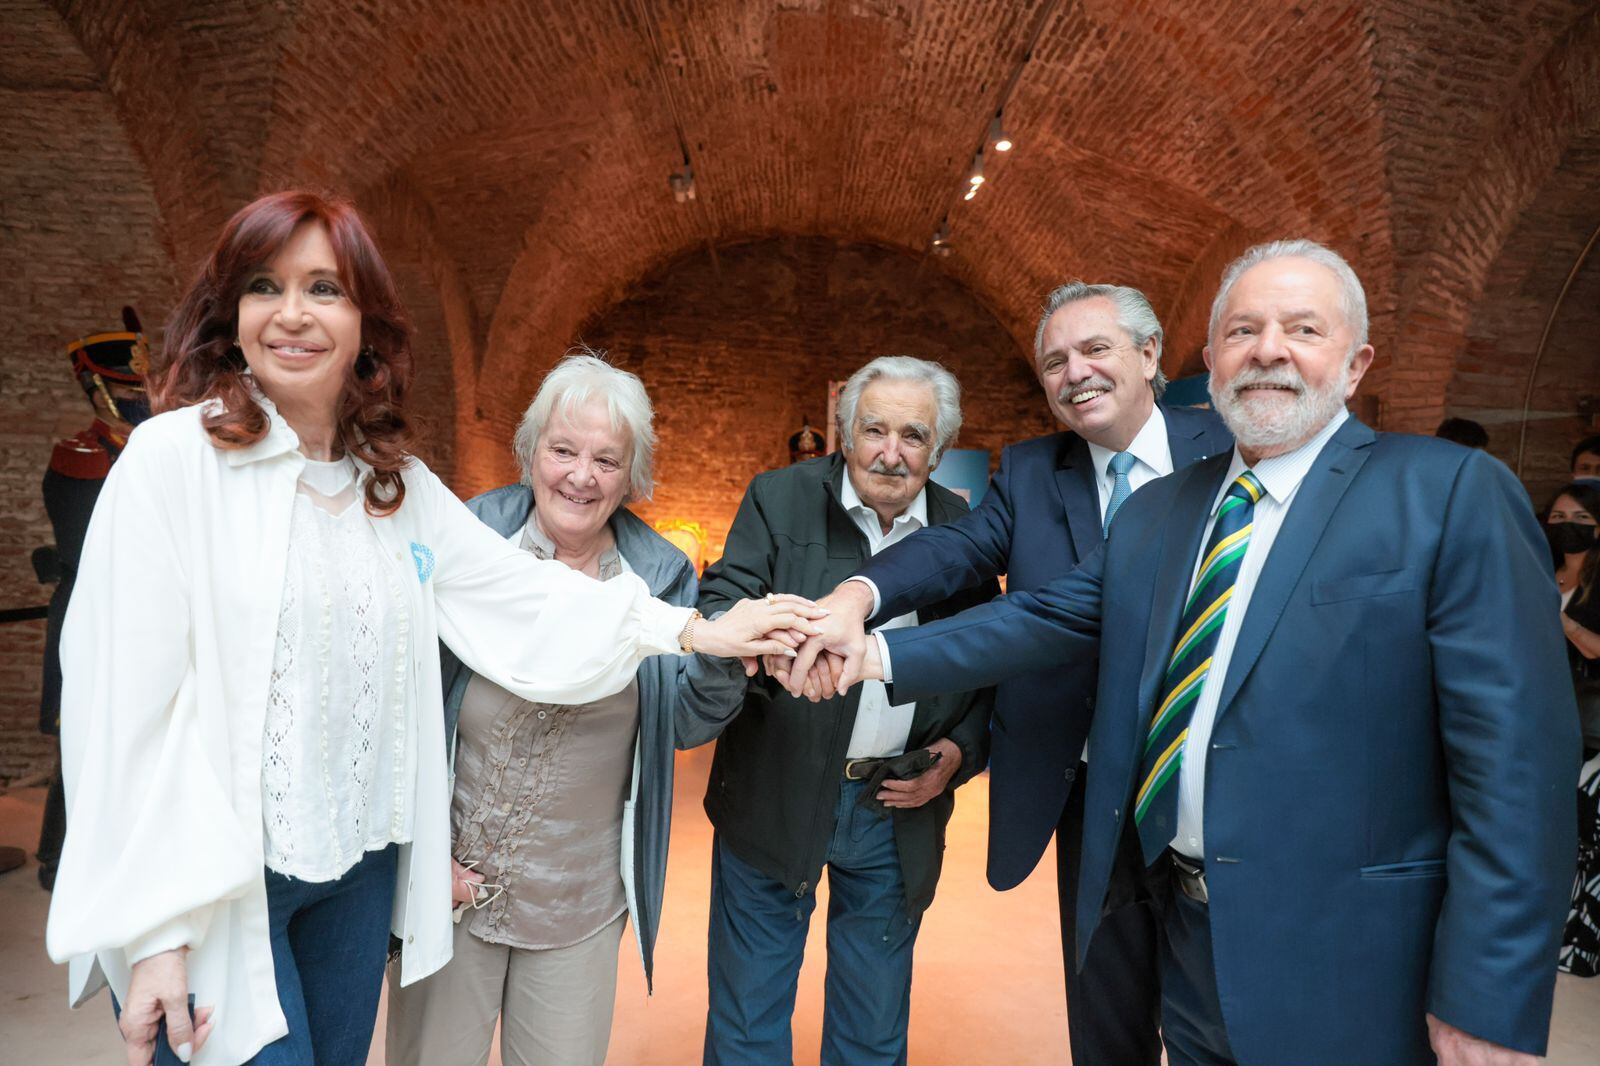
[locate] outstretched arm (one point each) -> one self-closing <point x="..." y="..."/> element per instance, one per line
<point x="937" y="562"/>
<point x="998" y="640"/>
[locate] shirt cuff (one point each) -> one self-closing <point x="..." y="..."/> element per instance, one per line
<point x="660" y="625"/>
<point x="184" y="931"/>
<point x="877" y="600"/>
<point x="883" y="656"/>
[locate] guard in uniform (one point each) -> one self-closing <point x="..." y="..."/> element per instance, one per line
<point x="111" y="368"/>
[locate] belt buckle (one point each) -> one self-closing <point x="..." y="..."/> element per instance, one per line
<point x="850" y="769"/>
<point x="1191" y="879"/>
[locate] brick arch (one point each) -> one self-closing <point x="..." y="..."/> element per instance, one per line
<point x="846" y="121"/>
<point x="139" y="58"/>
<point x="83" y="232"/>
<point x="1490" y="376"/>
<point x="1146" y="198"/>
<point x="444" y="319"/>
<point x="1518" y="158"/>
<point x="736" y="354"/>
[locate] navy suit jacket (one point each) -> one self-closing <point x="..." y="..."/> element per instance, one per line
<point x="1039" y="519"/>
<point x="1389" y="817"/>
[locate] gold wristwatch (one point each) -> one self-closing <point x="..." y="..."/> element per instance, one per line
<point x="686" y="638"/>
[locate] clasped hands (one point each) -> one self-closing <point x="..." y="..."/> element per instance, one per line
<point x="835" y="652"/>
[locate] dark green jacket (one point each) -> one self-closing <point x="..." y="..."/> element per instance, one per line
<point x="775" y="779"/>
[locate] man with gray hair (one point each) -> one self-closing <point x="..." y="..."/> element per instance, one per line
<point x="1332" y="734"/>
<point x="860" y="785"/>
<point x="1097" y="353"/>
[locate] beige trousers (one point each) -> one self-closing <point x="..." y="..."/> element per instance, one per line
<point x="554" y="1006"/>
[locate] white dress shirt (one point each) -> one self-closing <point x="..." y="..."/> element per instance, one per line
<point x="1149" y="446"/>
<point x="1281" y="476"/>
<point x="882" y="728"/>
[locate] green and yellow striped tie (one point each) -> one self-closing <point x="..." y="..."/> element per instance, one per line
<point x="1155" y="808"/>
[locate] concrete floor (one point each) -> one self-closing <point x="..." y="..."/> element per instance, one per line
<point x="987" y="987"/>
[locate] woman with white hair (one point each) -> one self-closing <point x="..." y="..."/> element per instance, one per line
<point x="561" y="813"/>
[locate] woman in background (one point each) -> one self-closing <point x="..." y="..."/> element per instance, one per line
<point x="1570" y="525"/>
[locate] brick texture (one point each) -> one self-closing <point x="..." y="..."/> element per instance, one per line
<point x="513" y="160"/>
<point x="734" y="362"/>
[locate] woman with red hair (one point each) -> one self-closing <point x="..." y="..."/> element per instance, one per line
<point x="252" y="730"/>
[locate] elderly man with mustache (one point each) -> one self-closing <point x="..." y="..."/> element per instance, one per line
<point x="861" y="785"/>
<point x="1332" y="735"/>
<point x="1097" y="354"/>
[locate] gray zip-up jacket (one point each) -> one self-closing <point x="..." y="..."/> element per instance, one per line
<point x="684" y="701"/>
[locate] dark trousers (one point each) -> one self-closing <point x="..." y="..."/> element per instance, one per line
<point x="53" y="830"/>
<point x="330" y="940"/>
<point x="1114" y="1004"/>
<point x="757" y="941"/>
<point x="1191" y="1011"/>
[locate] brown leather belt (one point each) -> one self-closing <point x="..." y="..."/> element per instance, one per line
<point x="1190" y="877"/>
<point x="861" y="769"/>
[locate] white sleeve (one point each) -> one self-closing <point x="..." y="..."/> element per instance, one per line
<point x="538" y="628"/>
<point x="877" y="600"/>
<point x="152" y="840"/>
<point x="883" y="657"/>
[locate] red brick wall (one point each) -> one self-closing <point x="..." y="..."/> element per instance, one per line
<point x="80" y="235"/>
<point x="519" y="186"/>
<point x="734" y="362"/>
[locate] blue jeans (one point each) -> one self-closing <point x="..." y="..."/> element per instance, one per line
<point x="330" y="940"/>
<point x="758" y="938"/>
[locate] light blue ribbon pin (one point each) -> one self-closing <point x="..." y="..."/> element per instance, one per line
<point x="422" y="555"/>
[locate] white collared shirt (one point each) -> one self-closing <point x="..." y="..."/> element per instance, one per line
<point x="1281" y="476"/>
<point x="882" y="728"/>
<point x="1149" y="446"/>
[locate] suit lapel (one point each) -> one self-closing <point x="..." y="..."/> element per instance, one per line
<point x="1319" y="495"/>
<point x="1080" y="499"/>
<point x="1186" y="438"/>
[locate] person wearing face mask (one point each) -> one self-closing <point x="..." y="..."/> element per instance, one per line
<point x="1570" y="525"/>
<point x="251" y="711"/>
<point x="564" y="810"/>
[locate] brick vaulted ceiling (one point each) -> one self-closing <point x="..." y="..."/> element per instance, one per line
<point x="519" y="149"/>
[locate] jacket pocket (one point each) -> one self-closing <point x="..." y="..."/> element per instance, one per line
<point x="1359" y="586"/>
<point x="1411" y="869"/>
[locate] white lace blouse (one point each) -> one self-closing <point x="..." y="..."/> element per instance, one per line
<point x="338" y="752"/>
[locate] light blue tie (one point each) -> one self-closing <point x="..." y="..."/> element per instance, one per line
<point x="1121" y="488"/>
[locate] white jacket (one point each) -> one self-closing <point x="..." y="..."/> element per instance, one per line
<point x="166" y="654"/>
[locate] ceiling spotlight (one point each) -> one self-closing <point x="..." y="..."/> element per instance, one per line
<point x="971" y="193"/>
<point x="682" y="184"/>
<point x="975" y="176"/>
<point x="998" y="136"/>
<point x="940" y="245"/>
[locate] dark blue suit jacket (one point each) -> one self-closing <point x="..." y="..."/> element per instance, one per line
<point x="1389" y="816"/>
<point x="1039" y="519"/>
